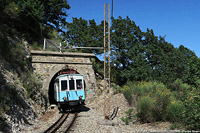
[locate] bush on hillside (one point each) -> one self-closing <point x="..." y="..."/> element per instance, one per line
<point x="153" y="99"/>
<point x="116" y="88"/>
<point x="32" y="85"/>
<point x="128" y="94"/>
<point x="145" y="109"/>
<point x="174" y="111"/>
<point x="180" y="89"/>
<point x="188" y="111"/>
<point x="129" y="117"/>
<point x="192" y="110"/>
<point x="163" y="98"/>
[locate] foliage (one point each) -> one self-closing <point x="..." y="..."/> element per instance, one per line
<point x="180" y="89"/>
<point x="35" y="46"/>
<point x="15" y="49"/>
<point x="4" y="101"/>
<point x="153" y="99"/>
<point x="32" y="85"/>
<point x="125" y="120"/>
<point x="192" y="112"/>
<point x="129" y="118"/>
<point x="137" y="55"/>
<point x="127" y="94"/>
<point x="127" y="53"/>
<point x="186" y="111"/>
<point x="144" y="88"/>
<point x="32" y="19"/>
<point x="176" y="126"/>
<point x="174" y="112"/>
<point x="84" y="33"/>
<point x="116" y="88"/>
<point x="145" y="109"/>
<point x="143" y="56"/>
<point x="155" y="102"/>
<point x="98" y="67"/>
<point x="9" y="96"/>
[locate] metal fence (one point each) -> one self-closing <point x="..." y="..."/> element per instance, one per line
<point x="53" y="45"/>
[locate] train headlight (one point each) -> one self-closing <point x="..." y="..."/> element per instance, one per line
<point x="64" y="98"/>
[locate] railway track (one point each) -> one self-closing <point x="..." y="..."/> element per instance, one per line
<point x="63" y="124"/>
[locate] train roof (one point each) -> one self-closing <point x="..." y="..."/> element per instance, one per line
<point x="67" y="75"/>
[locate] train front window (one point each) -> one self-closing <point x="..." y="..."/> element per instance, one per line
<point x="71" y="84"/>
<point x="79" y="84"/>
<point x="63" y="85"/>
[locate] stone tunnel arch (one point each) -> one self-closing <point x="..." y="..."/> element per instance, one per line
<point x="48" y="63"/>
<point x="51" y="77"/>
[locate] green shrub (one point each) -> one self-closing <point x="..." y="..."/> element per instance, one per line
<point x="176" y="126"/>
<point x="145" y="109"/>
<point x="158" y="94"/>
<point x="125" y="120"/>
<point x="192" y="111"/>
<point x="146" y="88"/>
<point x="198" y="83"/>
<point x="181" y="89"/>
<point x="163" y="98"/>
<point x="36" y="46"/>
<point x="129" y="113"/>
<point x="142" y="88"/>
<point x="155" y="102"/>
<point x="190" y="98"/>
<point x="32" y="85"/>
<point x="128" y="95"/>
<point x="174" y="111"/>
<point x="8" y="96"/>
<point x="5" y="101"/>
<point x="116" y="88"/>
<point x="129" y="116"/>
<point x="98" y="68"/>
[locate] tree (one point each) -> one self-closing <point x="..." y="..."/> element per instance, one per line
<point x="141" y="55"/>
<point x="128" y="52"/>
<point x="160" y="56"/>
<point x="136" y="55"/>
<point x="33" y="19"/>
<point x="189" y="68"/>
<point x="84" y="33"/>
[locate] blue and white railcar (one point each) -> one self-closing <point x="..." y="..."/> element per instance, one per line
<point x="69" y="90"/>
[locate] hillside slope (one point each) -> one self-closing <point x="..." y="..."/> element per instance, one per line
<point x="21" y="100"/>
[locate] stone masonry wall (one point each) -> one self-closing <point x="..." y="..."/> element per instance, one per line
<point x="47" y="64"/>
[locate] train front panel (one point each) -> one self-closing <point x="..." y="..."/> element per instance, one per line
<point x="71" y="89"/>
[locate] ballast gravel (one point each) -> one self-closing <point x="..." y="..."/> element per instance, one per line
<point x="91" y="119"/>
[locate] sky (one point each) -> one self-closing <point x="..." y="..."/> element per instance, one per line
<point x="177" y="20"/>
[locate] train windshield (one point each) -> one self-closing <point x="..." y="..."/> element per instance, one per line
<point x="79" y="84"/>
<point x="64" y="85"/>
<point x="71" y="84"/>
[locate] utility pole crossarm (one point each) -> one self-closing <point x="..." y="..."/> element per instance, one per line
<point x="87" y="48"/>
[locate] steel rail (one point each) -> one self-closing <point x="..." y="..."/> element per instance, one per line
<point x="71" y="123"/>
<point x="53" y="128"/>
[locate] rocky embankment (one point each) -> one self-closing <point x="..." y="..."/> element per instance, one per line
<point x="17" y="108"/>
